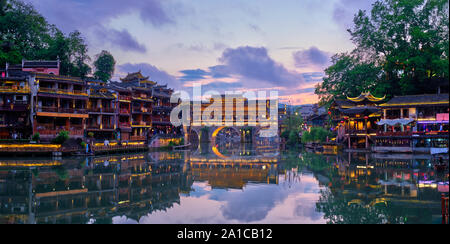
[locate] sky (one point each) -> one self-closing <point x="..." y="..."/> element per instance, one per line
<point x="225" y="45"/>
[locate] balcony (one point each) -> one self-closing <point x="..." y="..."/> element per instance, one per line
<point x="108" y="127"/>
<point x="93" y="127"/>
<point x="125" y="125"/>
<point x="138" y="138"/>
<point x="14" y="89"/>
<point x="16" y="106"/>
<point x="52" y="132"/>
<point x="125" y="98"/>
<point x="361" y="132"/>
<point x="399" y="133"/>
<point x="94" y="110"/>
<point x="62" y="110"/>
<point x="62" y="91"/>
<point x="124" y="111"/>
<point x="141" y="123"/>
<point x="108" y="110"/>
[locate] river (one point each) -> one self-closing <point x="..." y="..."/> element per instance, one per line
<point x="222" y="185"/>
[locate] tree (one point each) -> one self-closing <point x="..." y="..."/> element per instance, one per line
<point x="349" y="75"/>
<point x="25" y="34"/>
<point x="402" y="48"/>
<point x="104" y="66"/>
<point x="22" y="31"/>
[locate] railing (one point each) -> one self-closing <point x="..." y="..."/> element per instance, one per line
<point x="126" y="125"/>
<point x="352" y="132"/>
<point x="124" y="111"/>
<point x="108" y="110"/>
<point x="15" y="89"/>
<point x="76" y="132"/>
<point x="62" y="110"/>
<point x="93" y="126"/>
<point x="124" y="98"/>
<point x="62" y="91"/>
<point x="399" y="133"/>
<point x="107" y="127"/>
<point x="138" y="138"/>
<point x="94" y="110"/>
<point x="141" y="123"/>
<point x="118" y="148"/>
<point x="55" y="132"/>
<point x="14" y="106"/>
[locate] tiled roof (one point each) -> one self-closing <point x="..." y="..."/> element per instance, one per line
<point x="40" y="64"/>
<point x="427" y="99"/>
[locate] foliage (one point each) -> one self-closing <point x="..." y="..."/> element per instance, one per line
<point x="402" y="48"/>
<point x="104" y="66"/>
<point x="36" y="137"/>
<point x="25" y="34"/>
<point x="83" y="144"/>
<point x="316" y="134"/>
<point x="293" y="125"/>
<point x="62" y="137"/>
<point x="348" y="76"/>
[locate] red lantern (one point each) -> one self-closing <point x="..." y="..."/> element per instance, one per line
<point x="366" y="117"/>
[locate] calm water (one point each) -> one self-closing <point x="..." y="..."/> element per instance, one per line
<point x="229" y="184"/>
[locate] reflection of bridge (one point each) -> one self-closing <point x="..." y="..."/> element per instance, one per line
<point x="234" y="175"/>
<point x="224" y="134"/>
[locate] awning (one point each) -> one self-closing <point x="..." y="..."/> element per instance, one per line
<point x="393" y="122"/>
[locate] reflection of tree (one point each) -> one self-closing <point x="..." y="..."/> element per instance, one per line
<point x="338" y="210"/>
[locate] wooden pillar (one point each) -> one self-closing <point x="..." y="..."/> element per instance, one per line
<point x="349" y="142"/>
<point x="367" y="142"/>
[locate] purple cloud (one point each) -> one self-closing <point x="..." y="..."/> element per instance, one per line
<point x="192" y="75"/>
<point x="311" y="57"/>
<point x="121" y="39"/>
<point x="254" y="63"/>
<point x="80" y="14"/>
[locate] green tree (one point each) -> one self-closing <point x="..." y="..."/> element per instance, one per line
<point x="22" y="31"/>
<point x="348" y="75"/>
<point x="25" y="34"/>
<point x="104" y="66"/>
<point x="402" y="48"/>
<point x="409" y="39"/>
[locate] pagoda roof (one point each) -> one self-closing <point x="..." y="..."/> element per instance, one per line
<point x="101" y="92"/>
<point x="137" y="76"/>
<point x="366" y="96"/>
<point x="411" y="100"/>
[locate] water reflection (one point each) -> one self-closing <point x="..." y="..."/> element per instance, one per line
<point x="228" y="183"/>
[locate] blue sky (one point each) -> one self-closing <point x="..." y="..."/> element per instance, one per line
<point x="224" y="44"/>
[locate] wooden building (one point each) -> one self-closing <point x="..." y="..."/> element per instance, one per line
<point x="356" y="119"/>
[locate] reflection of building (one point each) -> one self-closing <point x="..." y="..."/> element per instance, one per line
<point x="233" y="175"/>
<point x="393" y="182"/>
<point x="96" y="189"/>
